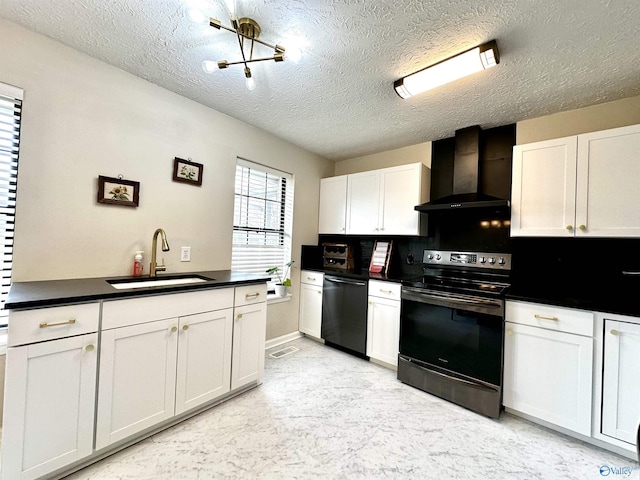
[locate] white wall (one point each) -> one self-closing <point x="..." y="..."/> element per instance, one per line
<point x="83" y="118"/>
<point x="391" y="158"/>
<point x="603" y="116"/>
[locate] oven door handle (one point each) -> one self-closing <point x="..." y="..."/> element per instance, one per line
<point x="423" y="297"/>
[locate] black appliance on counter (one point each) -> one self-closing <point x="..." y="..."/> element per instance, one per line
<point x="452" y="328"/>
<point x="344" y="314"/>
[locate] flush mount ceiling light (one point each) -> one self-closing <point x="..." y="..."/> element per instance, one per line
<point x="472" y="61"/>
<point x="247" y="32"/>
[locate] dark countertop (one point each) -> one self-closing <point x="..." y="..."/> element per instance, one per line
<point x="620" y="297"/>
<point x="48" y="293"/>
<point x="359" y="274"/>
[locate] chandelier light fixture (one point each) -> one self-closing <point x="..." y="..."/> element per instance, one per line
<point x="466" y="63"/>
<point x="247" y="32"/>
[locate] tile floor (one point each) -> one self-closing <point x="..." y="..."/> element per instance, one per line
<point x="323" y="414"/>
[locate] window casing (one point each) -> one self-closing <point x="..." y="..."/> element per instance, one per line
<point x="262" y="218"/>
<point x="10" y="114"/>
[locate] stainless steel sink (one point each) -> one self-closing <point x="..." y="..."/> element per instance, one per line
<point x="163" y="281"/>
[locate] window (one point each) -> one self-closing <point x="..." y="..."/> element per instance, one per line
<point x="10" y="108"/>
<point x="262" y="218"/>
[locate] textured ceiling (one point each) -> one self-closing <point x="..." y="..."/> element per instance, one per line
<point x="338" y="101"/>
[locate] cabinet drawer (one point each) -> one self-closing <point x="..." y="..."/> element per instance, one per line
<point x="384" y="289"/>
<point x="250" y="294"/>
<point x="311" y="278"/>
<point x="30" y="326"/>
<point x="132" y="311"/>
<point x="560" y="319"/>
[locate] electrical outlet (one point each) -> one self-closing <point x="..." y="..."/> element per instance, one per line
<point x="185" y="254"/>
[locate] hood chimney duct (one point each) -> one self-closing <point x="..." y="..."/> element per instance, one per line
<point x="466" y="164"/>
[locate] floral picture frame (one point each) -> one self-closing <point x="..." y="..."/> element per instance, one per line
<point x="187" y="171"/>
<point x="117" y="191"/>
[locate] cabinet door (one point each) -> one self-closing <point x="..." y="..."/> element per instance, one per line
<point x="608" y="197"/>
<point x="204" y="358"/>
<point x="137" y="379"/>
<point x="621" y="381"/>
<point x="49" y="406"/>
<point x="401" y="192"/>
<point x="363" y="203"/>
<point x="247" y="359"/>
<point x="548" y="375"/>
<point x="383" y="330"/>
<point x="333" y="205"/>
<point x="544" y="188"/>
<point x="310" y="310"/>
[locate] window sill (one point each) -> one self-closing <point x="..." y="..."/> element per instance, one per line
<point x="273" y="298"/>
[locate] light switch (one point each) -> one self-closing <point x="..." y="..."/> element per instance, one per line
<point x="185" y="254"/>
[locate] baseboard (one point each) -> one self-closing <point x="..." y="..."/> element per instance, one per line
<point x="274" y="342"/>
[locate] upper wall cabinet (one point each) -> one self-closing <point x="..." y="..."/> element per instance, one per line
<point x="376" y="202"/>
<point x="580" y="186"/>
<point x="333" y="205"/>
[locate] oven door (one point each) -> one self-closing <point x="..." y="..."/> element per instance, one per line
<point x="453" y="333"/>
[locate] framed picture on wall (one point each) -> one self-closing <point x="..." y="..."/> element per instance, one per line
<point x="187" y="171"/>
<point x="117" y="191"/>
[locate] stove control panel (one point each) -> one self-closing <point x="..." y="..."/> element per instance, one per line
<point x="499" y="261"/>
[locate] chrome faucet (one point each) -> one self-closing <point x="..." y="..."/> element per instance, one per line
<point x="154" y="246"/>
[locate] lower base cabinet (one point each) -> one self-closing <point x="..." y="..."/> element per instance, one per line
<point x="621" y="380"/>
<point x="158" y="356"/>
<point x="249" y="329"/>
<point x="383" y="322"/>
<point x="49" y="406"/>
<point x="548" y="372"/>
<point x="311" y="303"/>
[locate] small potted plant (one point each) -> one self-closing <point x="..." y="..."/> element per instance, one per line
<point x="282" y="286"/>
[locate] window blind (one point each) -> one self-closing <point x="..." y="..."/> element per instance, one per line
<point x="263" y="218"/>
<point x="10" y="111"/>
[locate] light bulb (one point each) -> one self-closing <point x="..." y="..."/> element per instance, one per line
<point x="293" y="53"/>
<point x="209" y="66"/>
<point x="251" y="83"/>
<point x="196" y="16"/>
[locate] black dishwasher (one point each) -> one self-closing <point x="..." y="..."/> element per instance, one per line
<point x="344" y="314"/>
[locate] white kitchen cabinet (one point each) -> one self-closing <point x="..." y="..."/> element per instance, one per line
<point x="544" y="188"/>
<point x="363" y="203"/>
<point x="165" y="363"/>
<point x="333" y="205"/>
<point x="49" y="406"/>
<point x="249" y="330"/>
<point x="310" y="320"/>
<point x="548" y="364"/>
<point x="583" y="185"/>
<point x="607" y="193"/>
<point x="382" y="201"/>
<point x="137" y="379"/>
<point x="204" y="340"/>
<point x="621" y="380"/>
<point x="383" y="321"/>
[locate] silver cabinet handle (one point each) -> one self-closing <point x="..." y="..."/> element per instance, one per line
<point x="542" y="317"/>
<point x="71" y="321"/>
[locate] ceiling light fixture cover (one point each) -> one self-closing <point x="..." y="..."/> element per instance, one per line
<point x="471" y="61"/>
<point x="247" y="32"/>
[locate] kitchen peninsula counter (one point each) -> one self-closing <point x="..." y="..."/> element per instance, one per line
<point x="46" y="293"/>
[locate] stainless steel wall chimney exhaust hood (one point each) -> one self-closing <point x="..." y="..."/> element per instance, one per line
<point x="466" y="175"/>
